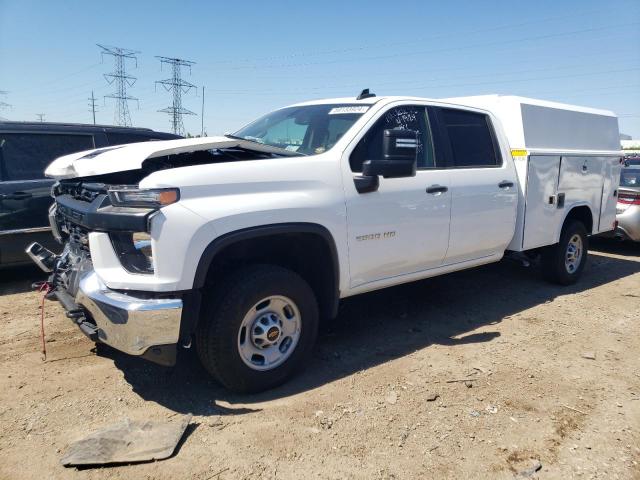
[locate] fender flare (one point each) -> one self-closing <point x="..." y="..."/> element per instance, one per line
<point x="224" y="241"/>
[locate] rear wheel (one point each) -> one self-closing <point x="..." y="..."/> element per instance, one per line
<point x="258" y="329"/>
<point x="564" y="262"/>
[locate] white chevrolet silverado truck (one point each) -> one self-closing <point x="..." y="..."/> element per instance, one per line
<point x="244" y="242"/>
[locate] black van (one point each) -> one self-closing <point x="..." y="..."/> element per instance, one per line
<point x="25" y="151"/>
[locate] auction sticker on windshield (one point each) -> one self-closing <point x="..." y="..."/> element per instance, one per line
<point x="352" y="109"/>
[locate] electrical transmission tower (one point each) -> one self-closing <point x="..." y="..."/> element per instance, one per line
<point x="92" y="106"/>
<point x="40" y="117"/>
<point x="177" y="86"/>
<point x="121" y="80"/>
<point x="3" y="105"/>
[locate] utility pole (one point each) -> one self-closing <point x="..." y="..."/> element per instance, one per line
<point x="177" y="87"/>
<point x="121" y="80"/>
<point x="40" y="117"/>
<point x="202" y="115"/>
<point x="92" y="105"/>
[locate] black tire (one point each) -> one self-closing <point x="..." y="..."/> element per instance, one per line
<point x="221" y="319"/>
<point x="553" y="257"/>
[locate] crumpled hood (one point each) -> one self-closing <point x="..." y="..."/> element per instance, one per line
<point x="120" y="158"/>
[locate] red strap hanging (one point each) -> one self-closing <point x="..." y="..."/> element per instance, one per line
<point x="46" y="288"/>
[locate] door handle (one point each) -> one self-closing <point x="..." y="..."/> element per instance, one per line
<point x="505" y="184"/>
<point x="436" y="189"/>
<point x="16" y="196"/>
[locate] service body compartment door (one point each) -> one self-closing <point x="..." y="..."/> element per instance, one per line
<point x="581" y="183"/>
<point x="541" y="210"/>
<point x="611" y="173"/>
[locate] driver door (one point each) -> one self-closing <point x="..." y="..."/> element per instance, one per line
<point x="403" y="227"/>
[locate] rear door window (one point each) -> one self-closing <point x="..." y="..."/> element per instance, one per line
<point x="471" y="139"/>
<point x="25" y="156"/>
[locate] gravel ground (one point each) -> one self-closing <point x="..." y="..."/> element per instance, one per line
<point x="486" y="373"/>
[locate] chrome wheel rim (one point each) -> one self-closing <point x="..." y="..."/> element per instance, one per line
<point x="574" y="253"/>
<point x="269" y="333"/>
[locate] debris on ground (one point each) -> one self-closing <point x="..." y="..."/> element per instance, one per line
<point x="589" y="355"/>
<point x="392" y="397"/>
<point x="491" y="409"/>
<point x="129" y="441"/>
<point x="529" y="472"/>
<point x="432" y="397"/>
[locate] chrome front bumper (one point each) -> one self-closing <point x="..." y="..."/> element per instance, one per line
<point x="127" y="322"/>
<point x="135" y="323"/>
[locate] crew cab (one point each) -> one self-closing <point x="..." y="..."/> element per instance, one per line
<point x="244" y="242"/>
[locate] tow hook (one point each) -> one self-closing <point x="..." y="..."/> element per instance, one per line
<point x="41" y="256"/>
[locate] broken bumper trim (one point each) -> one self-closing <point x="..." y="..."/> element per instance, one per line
<point x="128" y="323"/>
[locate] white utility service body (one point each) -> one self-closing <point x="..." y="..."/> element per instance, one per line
<point x="558" y="149"/>
<point x="343" y="223"/>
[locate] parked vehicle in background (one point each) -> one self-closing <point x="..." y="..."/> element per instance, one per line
<point x="628" y="207"/>
<point x="25" y="194"/>
<point x="245" y="242"/>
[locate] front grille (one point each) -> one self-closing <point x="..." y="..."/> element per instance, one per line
<point x="78" y="237"/>
<point x="86" y="192"/>
<point x="74" y="234"/>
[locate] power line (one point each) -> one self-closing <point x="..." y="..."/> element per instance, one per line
<point x="122" y="81"/>
<point x="418" y="40"/>
<point x="177" y="86"/>
<point x="92" y="105"/>
<point x="413" y="52"/>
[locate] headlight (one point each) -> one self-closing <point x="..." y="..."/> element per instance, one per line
<point x="134" y="251"/>
<point x="133" y="197"/>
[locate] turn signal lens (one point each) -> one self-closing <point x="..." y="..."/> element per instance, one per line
<point x="157" y="197"/>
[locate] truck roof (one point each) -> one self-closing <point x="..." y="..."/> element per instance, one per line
<point x="477" y="101"/>
<point x="75" y="126"/>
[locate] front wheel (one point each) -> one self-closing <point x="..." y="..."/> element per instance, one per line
<point x="258" y="328"/>
<point x="564" y="262"/>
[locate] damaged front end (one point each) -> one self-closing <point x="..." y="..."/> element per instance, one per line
<point x="137" y="323"/>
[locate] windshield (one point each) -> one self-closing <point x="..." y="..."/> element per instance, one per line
<point x="309" y="129"/>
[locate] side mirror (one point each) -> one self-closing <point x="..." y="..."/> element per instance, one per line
<point x="399" y="156"/>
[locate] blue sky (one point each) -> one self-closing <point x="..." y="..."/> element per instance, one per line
<point x="253" y="57"/>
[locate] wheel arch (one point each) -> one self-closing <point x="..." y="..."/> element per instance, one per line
<point x="581" y="212"/>
<point x="274" y="236"/>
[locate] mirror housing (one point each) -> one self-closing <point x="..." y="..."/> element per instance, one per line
<point x="399" y="159"/>
<point x="399" y="155"/>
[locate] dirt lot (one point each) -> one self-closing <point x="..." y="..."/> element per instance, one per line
<point x="364" y="408"/>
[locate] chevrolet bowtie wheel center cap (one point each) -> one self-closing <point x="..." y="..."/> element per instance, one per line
<point x="269" y="332"/>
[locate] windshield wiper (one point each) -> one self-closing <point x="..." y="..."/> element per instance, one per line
<point x="289" y="153"/>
